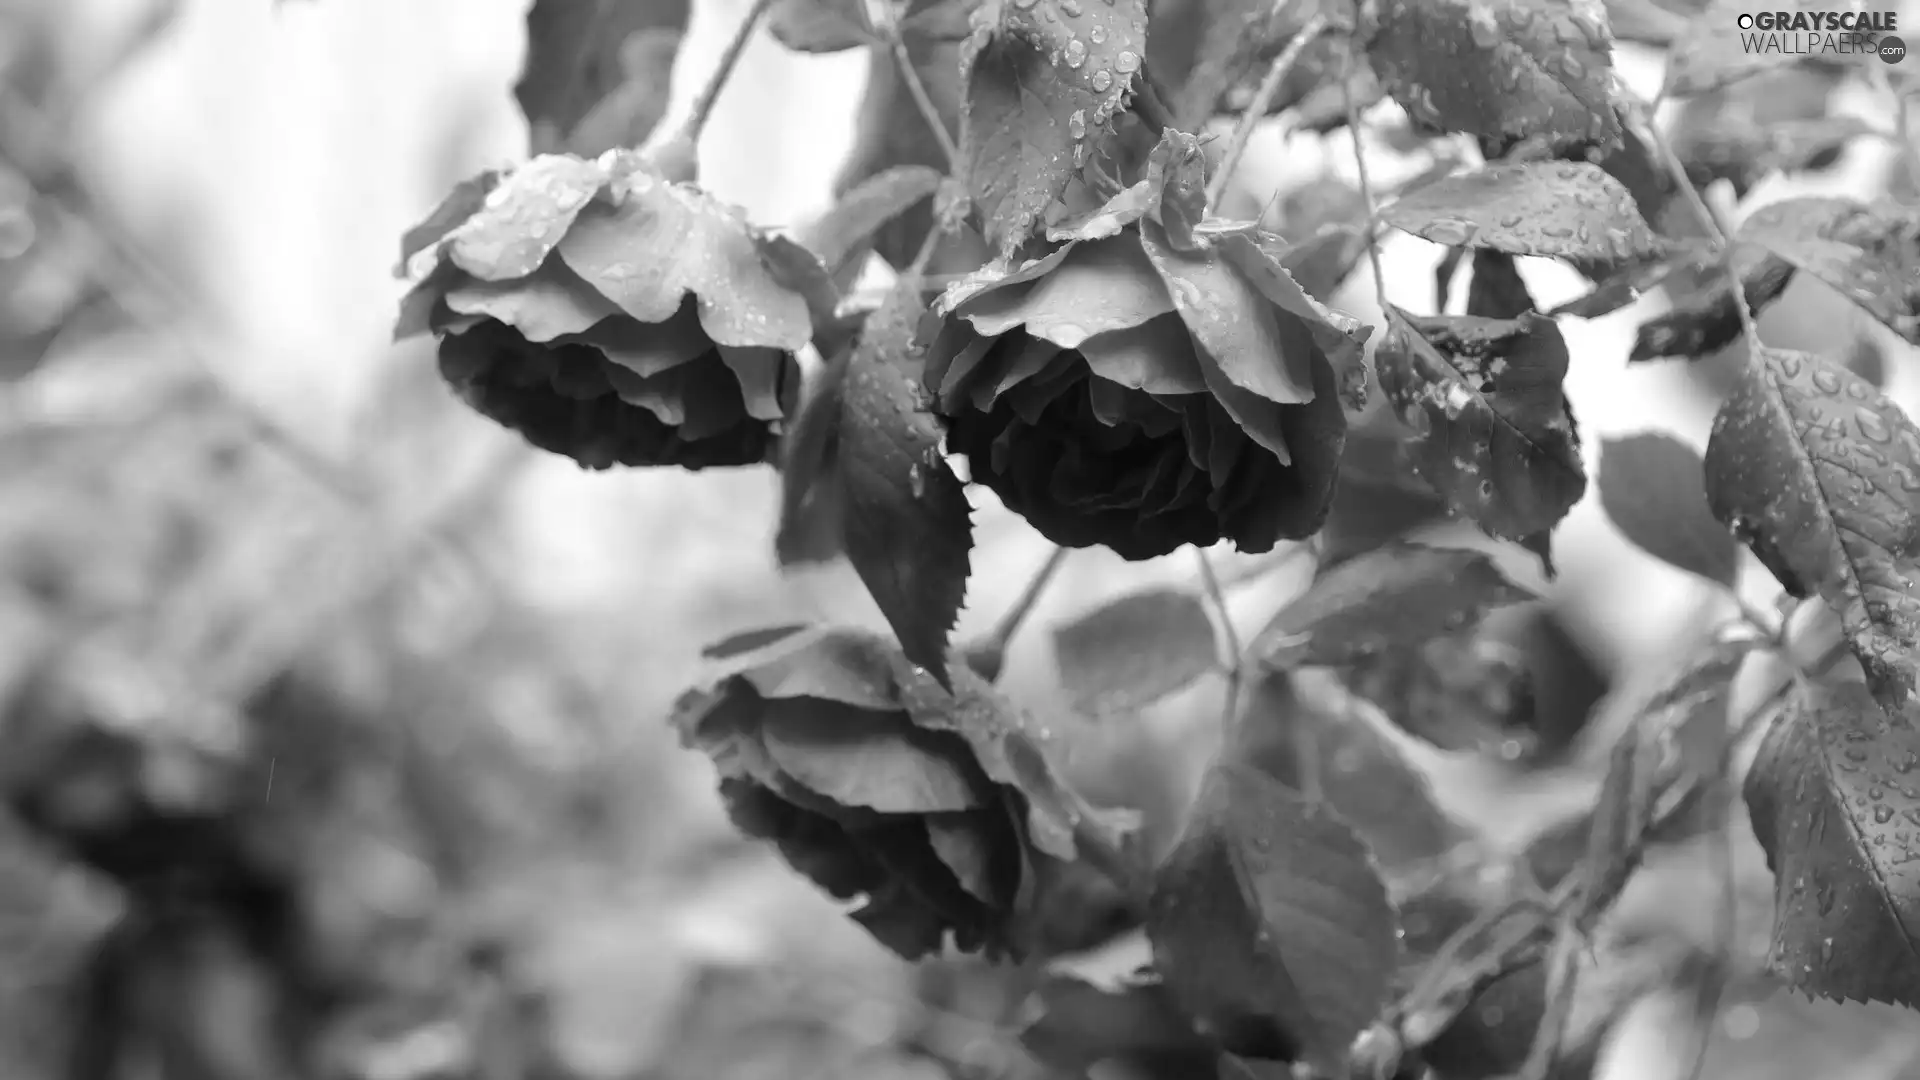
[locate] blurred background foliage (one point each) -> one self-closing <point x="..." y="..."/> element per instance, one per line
<point x="335" y="711"/>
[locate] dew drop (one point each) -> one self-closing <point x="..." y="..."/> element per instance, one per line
<point x="1872" y="427"/>
<point x="1076" y="53"/>
<point x="1827" y="380"/>
<point x="1102" y="79"/>
<point x="1077" y="124"/>
<point x="1882" y="814"/>
<point x="1127" y="62"/>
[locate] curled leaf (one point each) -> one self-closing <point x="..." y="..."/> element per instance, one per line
<point x="1493" y="432"/>
<point x="1869" y="254"/>
<point x="1705" y="322"/>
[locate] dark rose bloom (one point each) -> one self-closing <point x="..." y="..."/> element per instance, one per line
<point x="610" y="315"/>
<point x="1144" y="392"/>
<point x="875" y="784"/>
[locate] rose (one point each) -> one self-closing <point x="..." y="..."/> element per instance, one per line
<point x="610" y="315"/>
<point x="1146" y="385"/>
<point x="874" y="782"/>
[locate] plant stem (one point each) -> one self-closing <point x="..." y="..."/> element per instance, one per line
<point x="1366" y="186"/>
<point x="1262" y="98"/>
<point x="723" y="71"/>
<point x="922" y="100"/>
<point x="989" y="654"/>
<point x="1708" y="222"/>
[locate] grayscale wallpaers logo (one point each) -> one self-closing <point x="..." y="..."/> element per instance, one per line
<point x="1805" y="33"/>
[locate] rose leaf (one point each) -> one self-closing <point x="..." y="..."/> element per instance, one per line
<point x="1819" y="474"/>
<point x="1136" y="650"/>
<point x="1653" y="487"/>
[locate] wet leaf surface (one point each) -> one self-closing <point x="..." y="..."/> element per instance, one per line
<point x="1510" y="70"/>
<point x="907" y="523"/>
<point x="1819" y="474"/>
<point x="1869" y="254"/>
<point x="1044" y="83"/>
<point x="1835" y="799"/>
<point x="1493" y="432"/>
<point x="1573" y="211"/>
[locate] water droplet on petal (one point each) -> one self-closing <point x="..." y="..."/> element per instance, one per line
<point x="1076" y="53"/>
<point x="1071" y="7"/>
<point x="1098" y="34"/>
<point x="1127" y="62"/>
<point x="1102" y="79"/>
<point x="1077" y="124"/>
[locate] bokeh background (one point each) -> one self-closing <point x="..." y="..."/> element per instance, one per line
<point x="446" y="661"/>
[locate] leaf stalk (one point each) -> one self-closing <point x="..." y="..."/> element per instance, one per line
<point x="1262" y="99"/>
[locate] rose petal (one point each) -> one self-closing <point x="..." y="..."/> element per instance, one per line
<point x="1030" y="399"/>
<point x="1157" y="357"/>
<point x="549" y="303"/>
<point x="1017" y="360"/>
<point x="1226" y="445"/>
<point x="1341" y="336"/>
<point x="647" y="349"/>
<point x="665" y="241"/>
<point x="1258" y="347"/>
<point x="995" y="276"/>
<point x="953" y="356"/>
<point x="759" y="373"/>
<point x="524" y="217"/>
<point x="1108" y="400"/>
<point x="1100" y="286"/>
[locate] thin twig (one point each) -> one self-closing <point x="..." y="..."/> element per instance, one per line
<point x="922" y="100"/>
<point x="1563" y="974"/>
<point x="990" y="652"/>
<point x="1366" y="185"/>
<point x="1262" y="99"/>
<point x="723" y="71"/>
<point x="1235" y="664"/>
<point x="1708" y="222"/>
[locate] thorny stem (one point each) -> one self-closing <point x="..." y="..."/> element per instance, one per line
<point x="1366" y="185"/>
<point x="723" y="71"/>
<point x="922" y="100"/>
<point x="1262" y="99"/>
<point x="1708" y="222"/>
